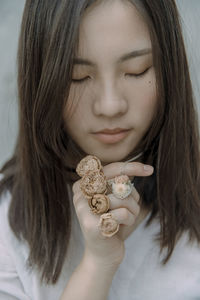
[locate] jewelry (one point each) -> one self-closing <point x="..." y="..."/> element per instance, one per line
<point x="99" y="203"/>
<point x="88" y="164"/>
<point x="132" y="159"/>
<point x="108" y="225"/>
<point x="93" y="182"/>
<point x="122" y="186"/>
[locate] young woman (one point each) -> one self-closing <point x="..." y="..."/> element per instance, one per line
<point x="108" y="79"/>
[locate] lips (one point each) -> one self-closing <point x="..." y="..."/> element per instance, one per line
<point x="112" y="131"/>
<point x="111" y="136"/>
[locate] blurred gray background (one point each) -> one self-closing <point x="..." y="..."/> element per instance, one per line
<point x="10" y="20"/>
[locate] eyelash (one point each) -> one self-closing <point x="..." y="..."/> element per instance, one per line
<point x="138" y="75"/>
<point x="79" y="81"/>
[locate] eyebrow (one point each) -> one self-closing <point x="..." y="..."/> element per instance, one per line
<point x="125" y="57"/>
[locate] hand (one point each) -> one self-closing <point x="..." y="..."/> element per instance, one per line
<point x="103" y="249"/>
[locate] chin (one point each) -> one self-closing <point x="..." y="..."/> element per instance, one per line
<point x="109" y="155"/>
<point x="110" y="158"/>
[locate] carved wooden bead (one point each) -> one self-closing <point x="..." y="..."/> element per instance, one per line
<point x="122" y="186"/>
<point x="94" y="182"/>
<point x="108" y="225"/>
<point x="99" y="203"/>
<point x="88" y="164"/>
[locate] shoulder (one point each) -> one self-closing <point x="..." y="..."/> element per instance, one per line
<point x="181" y="273"/>
<point x="187" y="255"/>
<point x="7" y="238"/>
<point x="5" y="200"/>
<point x="184" y="267"/>
<point x="11" y="272"/>
<point x="11" y="286"/>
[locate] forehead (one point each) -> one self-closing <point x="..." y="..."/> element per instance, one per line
<point x="112" y="27"/>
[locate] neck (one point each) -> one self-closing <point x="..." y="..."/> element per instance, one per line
<point x="135" y="157"/>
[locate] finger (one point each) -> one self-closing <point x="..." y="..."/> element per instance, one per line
<point x="128" y="203"/>
<point x="83" y="212"/>
<point x="135" y="194"/>
<point x="130" y="169"/>
<point x="123" y="216"/>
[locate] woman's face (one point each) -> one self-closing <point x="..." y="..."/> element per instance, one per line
<point x="113" y="82"/>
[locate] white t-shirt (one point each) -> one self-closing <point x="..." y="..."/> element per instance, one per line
<point x="141" y="276"/>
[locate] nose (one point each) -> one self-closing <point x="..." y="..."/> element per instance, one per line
<point x="109" y="101"/>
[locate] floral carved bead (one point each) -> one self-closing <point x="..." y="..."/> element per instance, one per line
<point x="94" y="182"/>
<point x="88" y="164"/>
<point x="99" y="203"/>
<point x="108" y="225"/>
<point x="122" y="186"/>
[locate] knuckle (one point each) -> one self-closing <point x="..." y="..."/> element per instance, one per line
<point x="112" y="199"/>
<point x="137" y="210"/>
<point x="124" y="213"/>
<point x="137" y="197"/>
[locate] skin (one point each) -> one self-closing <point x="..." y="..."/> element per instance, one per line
<point x="111" y="95"/>
<point x="109" y="98"/>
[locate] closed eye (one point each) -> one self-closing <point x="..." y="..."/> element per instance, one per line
<point x="81" y="80"/>
<point x="137" y="74"/>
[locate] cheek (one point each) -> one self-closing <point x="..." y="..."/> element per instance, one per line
<point x="144" y="98"/>
<point x="148" y="99"/>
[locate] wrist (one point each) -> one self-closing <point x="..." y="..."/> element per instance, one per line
<point x="90" y="280"/>
<point x="100" y="265"/>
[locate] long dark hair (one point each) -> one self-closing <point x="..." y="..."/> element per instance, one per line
<point x="44" y="159"/>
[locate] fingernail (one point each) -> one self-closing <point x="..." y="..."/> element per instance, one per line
<point x="148" y="168"/>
